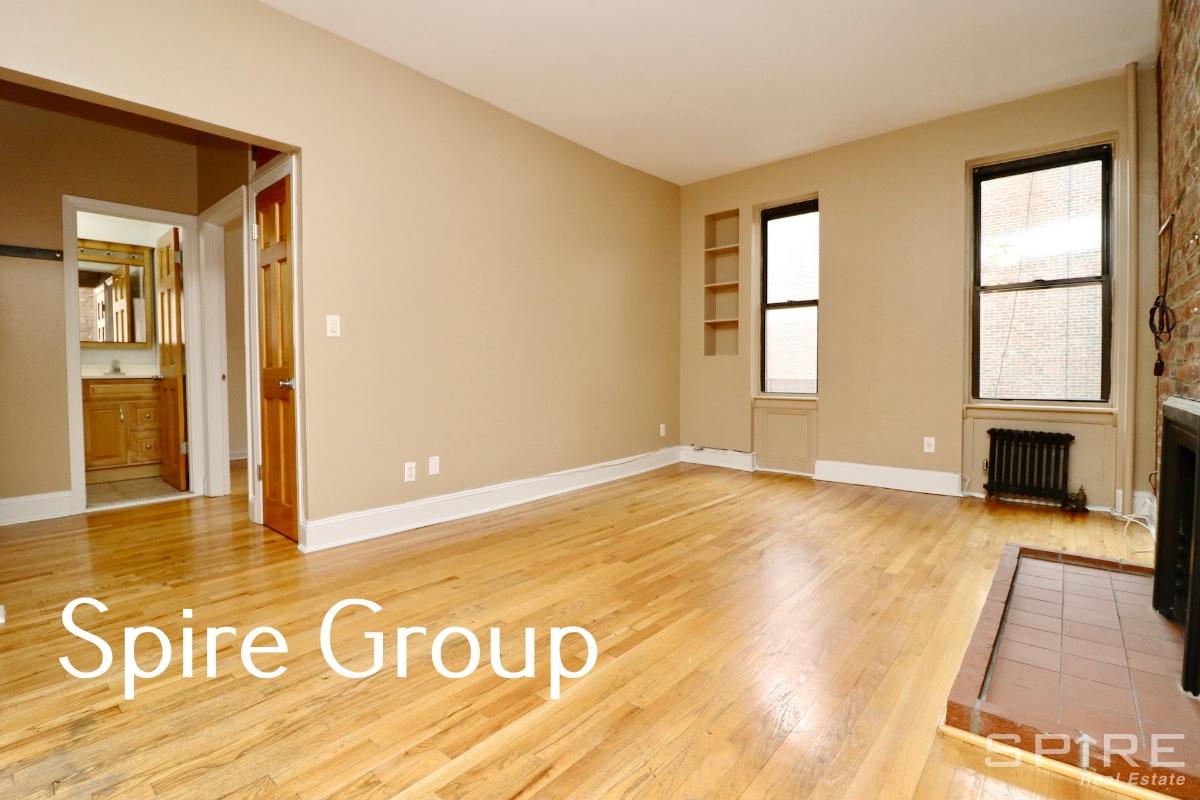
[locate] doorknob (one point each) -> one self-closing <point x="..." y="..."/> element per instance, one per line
<point x="290" y="383"/>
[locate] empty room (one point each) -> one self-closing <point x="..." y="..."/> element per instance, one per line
<point x="479" y="400"/>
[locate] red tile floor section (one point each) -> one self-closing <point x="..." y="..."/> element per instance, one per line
<point x="1076" y="652"/>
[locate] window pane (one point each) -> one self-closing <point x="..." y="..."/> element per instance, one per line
<point x="791" y="351"/>
<point x="792" y="250"/>
<point x="1044" y="224"/>
<point x="1041" y="344"/>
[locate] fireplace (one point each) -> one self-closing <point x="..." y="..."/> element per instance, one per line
<point x="1176" y="562"/>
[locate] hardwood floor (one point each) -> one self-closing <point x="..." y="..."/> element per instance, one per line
<point x="760" y="636"/>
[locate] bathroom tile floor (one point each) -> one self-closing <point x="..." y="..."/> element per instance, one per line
<point x="116" y="492"/>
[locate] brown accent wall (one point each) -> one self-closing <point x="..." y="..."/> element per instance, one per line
<point x="222" y="165"/>
<point x="1179" y="189"/>
<point x="53" y="146"/>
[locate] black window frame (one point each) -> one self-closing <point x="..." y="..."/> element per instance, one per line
<point x="1102" y="153"/>
<point x="766" y="216"/>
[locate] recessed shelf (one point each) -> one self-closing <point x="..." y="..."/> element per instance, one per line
<point x="721" y="230"/>
<point x="722" y="282"/>
<point x="722" y="248"/>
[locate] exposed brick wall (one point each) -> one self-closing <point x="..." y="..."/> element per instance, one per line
<point x="1179" y="171"/>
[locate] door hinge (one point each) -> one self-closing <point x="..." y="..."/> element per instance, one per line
<point x="178" y="258"/>
<point x="183" y="448"/>
<point x="254" y="231"/>
<point x="258" y="472"/>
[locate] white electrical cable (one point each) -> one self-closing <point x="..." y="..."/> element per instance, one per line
<point x="1129" y="520"/>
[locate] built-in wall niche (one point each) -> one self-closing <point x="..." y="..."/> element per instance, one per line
<point x="721" y="276"/>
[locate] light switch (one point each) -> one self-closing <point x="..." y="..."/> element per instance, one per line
<point x="435" y="465"/>
<point x="333" y="325"/>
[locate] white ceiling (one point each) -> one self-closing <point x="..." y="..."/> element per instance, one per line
<point x="119" y="230"/>
<point x="689" y="89"/>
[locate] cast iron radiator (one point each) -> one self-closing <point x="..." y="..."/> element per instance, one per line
<point x="1028" y="464"/>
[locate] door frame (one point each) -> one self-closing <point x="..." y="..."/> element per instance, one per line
<point x="231" y="208"/>
<point x="276" y="169"/>
<point x="193" y="350"/>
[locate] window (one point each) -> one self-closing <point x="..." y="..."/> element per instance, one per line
<point x="1042" y="306"/>
<point x="791" y="286"/>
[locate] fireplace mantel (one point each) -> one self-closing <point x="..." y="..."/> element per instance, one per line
<point x="1183" y="404"/>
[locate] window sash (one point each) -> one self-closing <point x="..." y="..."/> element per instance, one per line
<point x="1101" y="153"/>
<point x="767" y="215"/>
<point x="795" y="370"/>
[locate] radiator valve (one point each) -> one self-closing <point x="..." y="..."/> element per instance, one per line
<point x="1077" y="502"/>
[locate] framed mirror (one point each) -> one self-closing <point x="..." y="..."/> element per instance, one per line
<point x="115" y="284"/>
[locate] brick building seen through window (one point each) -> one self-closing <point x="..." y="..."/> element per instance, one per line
<point x="1041" y="288"/>
<point x="791" y="291"/>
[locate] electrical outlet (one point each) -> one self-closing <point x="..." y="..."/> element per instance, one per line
<point x="333" y="325"/>
<point x="662" y="429"/>
<point x="930" y="444"/>
<point x="410" y="471"/>
<point x="435" y="465"/>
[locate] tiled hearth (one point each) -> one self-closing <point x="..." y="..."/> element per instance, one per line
<point x="1069" y="648"/>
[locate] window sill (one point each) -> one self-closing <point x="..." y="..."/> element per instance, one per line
<point x="784" y="400"/>
<point x="1037" y="408"/>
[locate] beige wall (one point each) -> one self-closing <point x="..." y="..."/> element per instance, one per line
<point x="1146" y="396"/>
<point x="535" y="316"/>
<point x="508" y="298"/>
<point x="53" y="147"/>
<point x="235" y="339"/>
<point x="893" y="361"/>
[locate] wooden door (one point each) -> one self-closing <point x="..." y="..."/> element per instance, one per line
<point x="104" y="435"/>
<point x="276" y="351"/>
<point x="172" y="399"/>
<point x="121" y="305"/>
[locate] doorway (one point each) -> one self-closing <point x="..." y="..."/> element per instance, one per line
<point x="129" y="406"/>
<point x="177" y="372"/>
<point x="79" y="151"/>
<point x="252" y="390"/>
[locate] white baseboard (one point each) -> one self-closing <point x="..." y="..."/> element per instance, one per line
<point x="926" y="481"/>
<point x="1145" y="504"/>
<point x="34" y="507"/>
<point x="358" y="526"/>
<point x="714" y="457"/>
